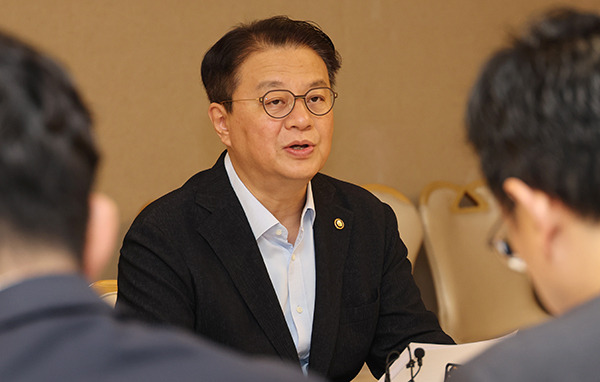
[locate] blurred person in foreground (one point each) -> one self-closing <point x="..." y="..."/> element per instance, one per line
<point x="534" y="119"/>
<point x="262" y="252"/>
<point x="52" y="326"/>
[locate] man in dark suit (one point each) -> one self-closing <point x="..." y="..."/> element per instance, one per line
<point x="52" y="326"/>
<point x="534" y="118"/>
<point x="261" y="252"/>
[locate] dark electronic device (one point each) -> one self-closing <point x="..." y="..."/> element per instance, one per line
<point x="450" y="368"/>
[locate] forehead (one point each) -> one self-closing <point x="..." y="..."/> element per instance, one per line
<point x="293" y="68"/>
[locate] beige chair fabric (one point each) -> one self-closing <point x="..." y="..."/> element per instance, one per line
<point x="409" y="221"/>
<point x="107" y="290"/>
<point x="478" y="296"/>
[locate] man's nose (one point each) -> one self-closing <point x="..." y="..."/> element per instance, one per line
<point x="300" y="117"/>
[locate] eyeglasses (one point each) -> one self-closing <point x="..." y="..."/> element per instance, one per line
<point x="499" y="243"/>
<point x="280" y="103"/>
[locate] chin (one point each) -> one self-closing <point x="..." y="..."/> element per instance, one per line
<point x="301" y="177"/>
<point x="303" y="172"/>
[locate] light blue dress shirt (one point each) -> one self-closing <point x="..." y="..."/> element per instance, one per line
<point x="291" y="267"/>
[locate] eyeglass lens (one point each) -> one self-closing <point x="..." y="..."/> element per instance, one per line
<point x="499" y="242"/>
<point x="279" y="103"/>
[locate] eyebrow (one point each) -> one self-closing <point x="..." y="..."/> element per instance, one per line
<point x="279" y="84"/>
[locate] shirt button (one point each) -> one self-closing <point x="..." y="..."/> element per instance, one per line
<point x="299" y="309"/>
<point x="293" y="257"/>
<point x="278" y="232"/>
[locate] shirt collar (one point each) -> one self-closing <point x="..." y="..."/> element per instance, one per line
<point x="258" y="216"/>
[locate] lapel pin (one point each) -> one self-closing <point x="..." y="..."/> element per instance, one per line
<point x="338" y="223"/>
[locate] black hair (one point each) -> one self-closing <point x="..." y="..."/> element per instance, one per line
<point x="222" y="61"/>
<point x="47" y="152"/>
<point x="534" y="112"/>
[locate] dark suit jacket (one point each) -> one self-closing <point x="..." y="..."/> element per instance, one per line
<point x="56" y="329"/>
<point x="565" y="348"/>
<point x="190" y="259"/>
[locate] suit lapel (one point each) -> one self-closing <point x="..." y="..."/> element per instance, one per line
<point x="230" y="236"/>
<point x="332" y="229"/>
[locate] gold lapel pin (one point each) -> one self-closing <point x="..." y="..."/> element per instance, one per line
<point x="338" y="223"/>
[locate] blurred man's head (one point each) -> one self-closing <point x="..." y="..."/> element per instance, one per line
<point x="534" y="113"/>
<point x="534" y="119"/>
<point x="47" y="158"/>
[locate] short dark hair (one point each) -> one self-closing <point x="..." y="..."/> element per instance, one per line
<point x="534" y="112"/>
<point x="47" y="153"/>
<point x="222" y="61"/>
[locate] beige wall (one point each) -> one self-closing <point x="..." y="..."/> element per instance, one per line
<point x="407" y="67"/>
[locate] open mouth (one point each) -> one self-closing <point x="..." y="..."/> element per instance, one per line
<point x="298" y="147"/>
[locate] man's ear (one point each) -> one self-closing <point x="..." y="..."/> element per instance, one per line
<point x="101" y="235"/>
<point x="536" y="203"/>
<point x="542" y="211"/>
<point x="219" y="117"/>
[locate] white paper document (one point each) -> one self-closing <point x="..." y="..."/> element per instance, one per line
<point x="435" y="360"/>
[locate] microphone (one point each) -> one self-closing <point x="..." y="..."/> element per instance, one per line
<point x="419" y="353"/>
<point x="388" y="363"/>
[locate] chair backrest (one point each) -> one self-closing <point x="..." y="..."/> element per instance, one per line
<point x="107" y="290"/>
<point x="409" y="221"/>
<point x="478" y="296"/>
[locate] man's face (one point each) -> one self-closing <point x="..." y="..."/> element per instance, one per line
<point x="268" y="152"/>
